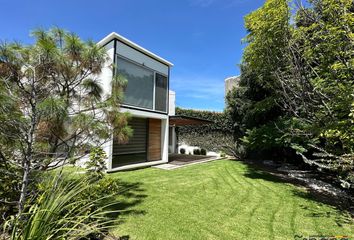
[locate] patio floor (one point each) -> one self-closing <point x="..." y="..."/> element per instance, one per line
<point x="180" y="160"/>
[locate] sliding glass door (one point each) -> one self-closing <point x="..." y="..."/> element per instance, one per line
<point x="135" y="151"/>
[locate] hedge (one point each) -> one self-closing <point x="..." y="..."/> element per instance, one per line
<point x="212" y="136"/>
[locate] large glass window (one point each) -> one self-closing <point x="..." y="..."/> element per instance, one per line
<point x="140" y="88"/>
<point x="144" y="86"/>
<point x="160" y="92"/>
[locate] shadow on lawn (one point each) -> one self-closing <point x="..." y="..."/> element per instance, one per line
<point x="130" y="195"/>
<point x="254" y="173"/>
<point x="340" y="215"/>
<point x="125" y="203"/>
<point x="341" y="205"/>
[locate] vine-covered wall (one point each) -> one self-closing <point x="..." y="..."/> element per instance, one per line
<point x="212" y="137"/>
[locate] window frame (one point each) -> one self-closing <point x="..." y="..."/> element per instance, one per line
<point x="167" y="91"/>
<point x="117" y="55"/>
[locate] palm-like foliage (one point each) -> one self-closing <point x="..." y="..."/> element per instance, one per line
<point x="55" y="108"/>
<point x="60" y="213"/>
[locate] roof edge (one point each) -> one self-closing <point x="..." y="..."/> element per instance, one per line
<point x="115" y="35"/>
<point x="232" y="77"/>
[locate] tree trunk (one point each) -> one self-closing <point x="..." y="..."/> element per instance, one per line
<point x="26" y="165"/>
<point x="24" y="186"/>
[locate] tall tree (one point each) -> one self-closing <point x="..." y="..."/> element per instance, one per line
<point x="296" y="89"/>
<point x="254" y="103"/>
<point x="53" y="108"/>
<point x="318" y="84"/>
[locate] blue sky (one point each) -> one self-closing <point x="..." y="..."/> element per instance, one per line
<point x="201" y="37"/>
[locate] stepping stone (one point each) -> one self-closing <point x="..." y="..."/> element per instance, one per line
<point x="166" y="166"/>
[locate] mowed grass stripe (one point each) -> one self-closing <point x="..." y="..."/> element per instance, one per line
<point x="223" y="200"/>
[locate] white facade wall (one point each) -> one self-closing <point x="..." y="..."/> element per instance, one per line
<point x="105" y="78"/>
<point x="172" y="103"/>
<point x="231" y="83"/>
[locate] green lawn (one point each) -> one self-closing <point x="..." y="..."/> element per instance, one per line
<point x="221" y="200"/>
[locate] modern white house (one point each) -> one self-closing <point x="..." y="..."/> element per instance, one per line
<point x="145" y="98"/>
<point x="149" y="101"/>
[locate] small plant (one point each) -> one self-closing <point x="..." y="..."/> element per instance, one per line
<point x="61" y="212"/>
<point x="196" y="151"/>
<point x="96" y="165"/>
<point x="222" y="154"/>
<point x="203" y="152"/>
<point x="236" y="150"/>
<point x="182" y="151"/>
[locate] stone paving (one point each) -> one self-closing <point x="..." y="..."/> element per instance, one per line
<point x="182" y="160"/>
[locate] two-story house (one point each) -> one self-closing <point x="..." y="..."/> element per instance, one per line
<point x="146" y="98"/>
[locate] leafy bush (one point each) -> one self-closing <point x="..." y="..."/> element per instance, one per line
<point x="273" y="140"/>
<point x="203" y="152"/>
<point x="236" y="150"/>
<point x="96" y="165"/>
<point x="182" y="151"/>
<point x="196" y="151"/>
<point x="10" y="188"/>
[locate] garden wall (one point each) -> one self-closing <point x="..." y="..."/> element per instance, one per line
<point x="212" y="136"/>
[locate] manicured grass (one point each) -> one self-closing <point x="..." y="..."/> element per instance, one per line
<point x="221" y="200"/>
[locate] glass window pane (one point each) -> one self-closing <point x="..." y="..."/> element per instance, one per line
<point x="161" y="93"/>
<point x="140" y="87"/>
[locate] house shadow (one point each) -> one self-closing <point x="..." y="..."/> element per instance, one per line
<point x="130" y="195"/>
<point x="124" y="203"/>
<point x="342" y="206"/>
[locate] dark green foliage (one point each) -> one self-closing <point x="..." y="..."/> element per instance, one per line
<point x="203" y="152"/>
<point x="213" y="136"/>
<point x="196" y="151"/>
<point x="221" y="122"/>
<point x="96" y="165"/>
<point x="182" y="151"/>
<point x="254" y="104"/>
<point x="10" y="178"/>
<point x="295" y="96"/>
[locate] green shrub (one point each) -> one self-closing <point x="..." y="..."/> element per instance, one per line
<point x="196" y="151"/>
<point x="236" y="149"/>
<point x="104" y="187"/>
<point x="96" y="165"/>
<point x="203" y="152"/>
<point x="10" y="179"/>
<point x="182" y="151"/>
